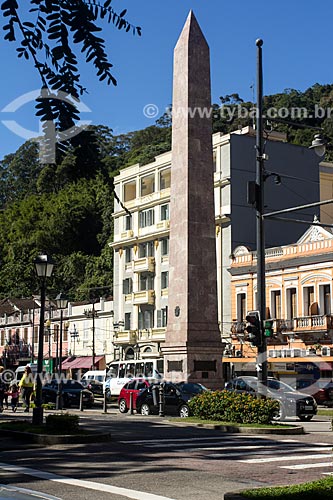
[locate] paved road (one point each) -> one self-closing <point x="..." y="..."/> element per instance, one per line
<point x="151" y="459"/>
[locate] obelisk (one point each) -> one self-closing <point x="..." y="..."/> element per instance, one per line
<point x="193" y="348"/>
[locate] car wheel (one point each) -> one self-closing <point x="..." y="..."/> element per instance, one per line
<point x="305" y="418"/>
<point x="122" y="406"/>
<point x="280" y="415"/>
<point x="184" y="411"/>
<point x="145" y="410"/>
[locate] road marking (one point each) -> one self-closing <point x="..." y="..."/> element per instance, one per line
<point x="184" y="440"/>
<point x="306" y="466"/>
<point x="285" y="457"/>
<point x="258" y="450"/>
<point x="91" y="485"/>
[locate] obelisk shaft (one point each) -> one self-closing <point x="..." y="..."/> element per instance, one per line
<point x="193" y="342"/>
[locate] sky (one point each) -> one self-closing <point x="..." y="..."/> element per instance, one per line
<point x="297" y="52"/>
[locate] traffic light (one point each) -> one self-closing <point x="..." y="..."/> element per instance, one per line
<point x="253" y="328"/>
<point x="268" y="328"/>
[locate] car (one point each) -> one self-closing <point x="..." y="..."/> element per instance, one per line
<point x="292" y="402"/>
<point x="176" y="398"/>
<point x="131" y="390"/>
<point x="95" y="386"/>
<point x="71" y="393"/>
<point x="321" y="390"/>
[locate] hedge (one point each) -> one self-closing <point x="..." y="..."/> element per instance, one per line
<point x="227" y="406"/>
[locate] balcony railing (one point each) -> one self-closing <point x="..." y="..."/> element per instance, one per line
<point x="145" y="297"/>
<point x="145" y="264"/>
<point x="126" y="337"/>
<point x="313" y="323"/>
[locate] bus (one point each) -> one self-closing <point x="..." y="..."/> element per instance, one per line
<point x="120" y="372"/>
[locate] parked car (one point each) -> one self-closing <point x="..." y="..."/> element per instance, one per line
<point x="133" y="387"/>
<point x="71" y="390"/>
<point x="321" y="390"/>
<point x="291" y="401"/>
<point x="95" y="386"/>
<point x="176" y="397"/>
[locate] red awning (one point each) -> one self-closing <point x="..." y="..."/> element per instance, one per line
<point x="79" y="362"/>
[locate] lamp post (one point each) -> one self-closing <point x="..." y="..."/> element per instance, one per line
<point x="62" y="302"/>
<point x="44" y="267"/>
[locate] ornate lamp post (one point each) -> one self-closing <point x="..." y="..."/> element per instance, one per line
<point x="44" y="267"/>
<point x="62" y="302"/>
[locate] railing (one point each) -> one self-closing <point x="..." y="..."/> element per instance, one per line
<point x="317" y="322"/>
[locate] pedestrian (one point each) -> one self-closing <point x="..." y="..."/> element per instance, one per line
<point x="26" y="386"/>
<point x="14" y="393"/>
<point x="3" y="388"/>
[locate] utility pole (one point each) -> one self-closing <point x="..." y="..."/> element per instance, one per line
<point x="92" y="313"/>
<point x="260" y="180"/>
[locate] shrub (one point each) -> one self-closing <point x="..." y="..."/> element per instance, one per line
<point x="229" y="406"/>
<point x="62" y="422"/>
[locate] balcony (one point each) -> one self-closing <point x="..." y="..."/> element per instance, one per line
<point x="238" y="327"/>
<point x="316" y="323"/>
<point x="124" y="338"/>
<point x="144" y="297"/>
<point x="125" y="235"/>
<point x="162" y="225"/>
<point x="146" y="264"/>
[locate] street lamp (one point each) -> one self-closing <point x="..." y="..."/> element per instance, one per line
<point x="62" y="302"/>
<point x="44" y="267"/>
<point x="319" y="145"/>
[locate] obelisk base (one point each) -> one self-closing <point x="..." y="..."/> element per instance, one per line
<point x="200" y="364"/>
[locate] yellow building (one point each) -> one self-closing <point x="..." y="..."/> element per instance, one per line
<point x="299" y="281"/>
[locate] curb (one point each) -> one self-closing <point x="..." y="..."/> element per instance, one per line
<point x="60" y="439"/>
<point x="234" y="496"/>
<point x="243" y="430"/>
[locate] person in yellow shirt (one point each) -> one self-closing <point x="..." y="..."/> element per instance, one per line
<point x="26" y="386"/>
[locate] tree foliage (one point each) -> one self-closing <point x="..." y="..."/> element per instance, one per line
<point x="51" y="34"/>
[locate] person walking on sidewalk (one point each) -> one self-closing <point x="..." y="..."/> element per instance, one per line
<point x="26" y="385"/>
<point x="14" y="393"/>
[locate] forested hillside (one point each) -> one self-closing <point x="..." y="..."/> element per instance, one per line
<point x="65" y="209"/>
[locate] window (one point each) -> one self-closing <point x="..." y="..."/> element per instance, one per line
<point x="146" y="249"/>
<point x="291" y="303"/>
<point x="65" y="331"/>
<point x="25" y="335"/>
<point x="146" y="282"/>
<point x="308" y="299"/>
<point x="165" y="212"/>
<point x="325" y="299"/>
<point x="241" y="306"/>
<point x="146" y="218"/>
<point x="165" y="178"/>
<point x="165" y="246"/>
<point x="128" y="254"/>
<point x="129" y="191"/>
<point x="35" y="337"/>
<point x="146" y="319"/>
<point x="127" y="321"/>
<point x="3" y="341"/>
<point x="147" y="184"/>
<point x="162" y="317"/>
<point x="164" y="279"/>
<point x="127" y="286"/>
<point x="276" y="304"/>
<point x="128" y="222"/>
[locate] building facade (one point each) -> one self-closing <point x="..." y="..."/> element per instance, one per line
<point x="299" y="280"/>
<point x="142" y="221"/>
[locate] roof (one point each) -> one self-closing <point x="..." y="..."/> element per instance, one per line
<point x="79" y="362"/>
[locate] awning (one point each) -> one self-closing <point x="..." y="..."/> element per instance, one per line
<point x="80" y="362"/>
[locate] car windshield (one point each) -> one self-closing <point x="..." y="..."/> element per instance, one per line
<point x="277" y="385"/>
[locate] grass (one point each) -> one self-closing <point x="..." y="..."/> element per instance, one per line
<point x="316" y="490"/>
<point x="196" y="420"/>
<point x="326" y="412"/>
